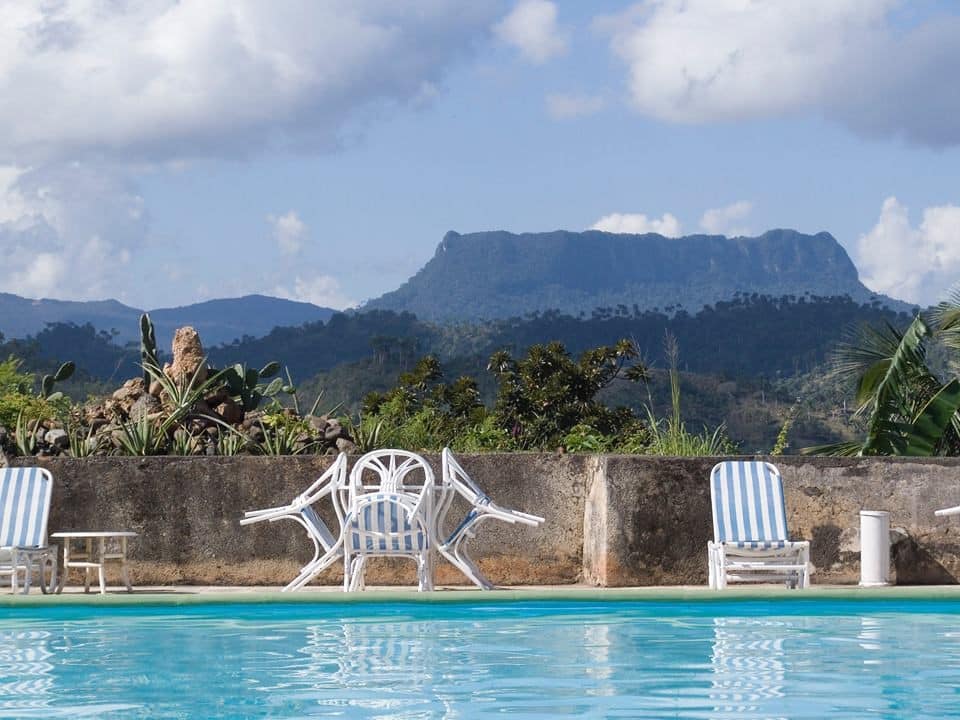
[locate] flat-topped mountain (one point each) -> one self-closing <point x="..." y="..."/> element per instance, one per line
<point x="499" y="274"/>
<point x="218" y="321"/>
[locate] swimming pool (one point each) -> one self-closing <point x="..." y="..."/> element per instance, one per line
<point x="721" y="659"/>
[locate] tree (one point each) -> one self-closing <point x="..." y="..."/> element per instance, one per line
<point x="910" y="410"/>
<point x="544" y="395"/>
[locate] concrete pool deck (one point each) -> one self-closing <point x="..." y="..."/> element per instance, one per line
<point x="200" y="595"/>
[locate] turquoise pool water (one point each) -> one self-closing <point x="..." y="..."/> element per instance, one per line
<point x="741" y="659"/>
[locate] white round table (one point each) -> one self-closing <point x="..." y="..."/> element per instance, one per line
<point x="87" y="560"/>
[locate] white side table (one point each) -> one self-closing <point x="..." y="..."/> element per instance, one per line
<point x="88" y="559"/>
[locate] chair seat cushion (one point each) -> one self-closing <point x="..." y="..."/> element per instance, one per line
<point x="765" y="544"/>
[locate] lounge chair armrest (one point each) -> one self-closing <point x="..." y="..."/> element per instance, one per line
<point x="268" y="514"/>
<point x="511" y="516"/>
<point x="948" y="511"/>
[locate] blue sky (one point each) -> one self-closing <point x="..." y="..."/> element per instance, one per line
<point x="163" y="153"/>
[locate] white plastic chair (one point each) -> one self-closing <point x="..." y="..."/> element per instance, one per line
<point x="389" y="513"/>
<point x="750" y="539"/>
<point x="24" y="510"/>
<point x="327" y="550"/>
<point x="456" y="481"/>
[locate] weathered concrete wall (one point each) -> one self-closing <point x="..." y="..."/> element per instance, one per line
<point x="657" y="519"/>
<point x="187" y="513"/>
<point x="611" y="520"/>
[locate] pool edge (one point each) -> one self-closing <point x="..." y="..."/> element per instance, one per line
<point x="257" y="596"/>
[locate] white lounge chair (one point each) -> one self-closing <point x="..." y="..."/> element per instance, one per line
<point x="456" y="481"/>
<point x="327" y="550"/>
<point x="750" y="540"/>
<point x="24" y="510"/>
<point x="389" y="513"/>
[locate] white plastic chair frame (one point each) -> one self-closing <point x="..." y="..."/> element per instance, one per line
<point x="389" y="513"/>
<point x="327" y="549"/>
<point x="24" y="510"/>
<point x="456" y="481"/>
<point x="750" y="539"/>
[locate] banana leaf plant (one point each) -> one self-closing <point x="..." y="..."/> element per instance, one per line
<point x="909" y="410"/>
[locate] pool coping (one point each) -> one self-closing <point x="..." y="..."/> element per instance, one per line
<point x="187" y="595"/>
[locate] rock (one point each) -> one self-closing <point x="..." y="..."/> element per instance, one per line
<point x="145" y="405"/>
<point x="129" y="391"/>
<point x="333" y="430"/>
<point x="96" y="423"/>
<point x="57" y="438"/>
<point x="256" y="434"/>
<point x="221" y="396"/>
<point x="345" y="445"/>
<point x="156" y="387"/>
<point x="114" y="410"/>
<point x="230" y="412"/>
<point x="187" y="357"/>
<point x="318" y="423"/>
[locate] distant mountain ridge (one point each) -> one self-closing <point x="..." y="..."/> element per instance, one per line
<point x="489" y="275"/>
<point x="218" y="321"/>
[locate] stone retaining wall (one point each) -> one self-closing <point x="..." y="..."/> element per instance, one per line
<point x="611" y="520"/>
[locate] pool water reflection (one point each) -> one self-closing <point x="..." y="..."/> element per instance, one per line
<point x="760" y="659"/>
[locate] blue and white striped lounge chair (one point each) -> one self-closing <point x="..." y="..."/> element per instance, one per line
<point x="750" y="539"/>
<point x="457" y="482"/>
<point x="301" y="509"/>
<point x="389" y="513"/>
<point x="24" y="509"/>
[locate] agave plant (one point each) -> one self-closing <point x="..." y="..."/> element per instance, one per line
<point x="367" y="433"/>
<point x="142" y="437"/>
<point x="83" y="444"/>
<point x="26" y="435"/>
<point x="283" y="439"/>
<point x="231" y="442"/>
<point x="909" y="410"/>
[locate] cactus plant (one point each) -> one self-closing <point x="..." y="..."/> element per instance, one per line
<point x="243" y="383"/>
<point x="46" y="385"/>
<point x="148" y="347"/>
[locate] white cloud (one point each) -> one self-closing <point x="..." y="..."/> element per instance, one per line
<point x="322" y="290"/>
<point x="289" y="232"/>
<point x="98" y="92"/>
<point x="638" y="224"/>
<point x="725" y="220"/>
<point x="562" y="106"/>
<point x="531" y="27"/>
<point x="172" y="79"/>
<point x="699" y="61"/>
<point x="917" y="264"/>
<point x="68" y="231"/>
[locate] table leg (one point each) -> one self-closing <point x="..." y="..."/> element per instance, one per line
<point x="123" y="564"/>
<point x="28" y="573"/>
<point x="88" y="544"/>
<point x="61" y="581"/>
<point x="101" y="570"/>
<point x="51" y="560"/>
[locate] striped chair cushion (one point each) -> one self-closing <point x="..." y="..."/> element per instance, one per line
<point x="766" y="544"/>
<point x="318" y="527"/>
<point x="24" y="505"/>
<point x="381" y="524"/>
<point x="747" y="503"/>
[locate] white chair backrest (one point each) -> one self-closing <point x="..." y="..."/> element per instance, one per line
<point x="24" y="506"/>
<point x="455" y="477"/>
<point x="390" y="471"/>
<point x="747" y="500"/>
<point x="332" y="482"/>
